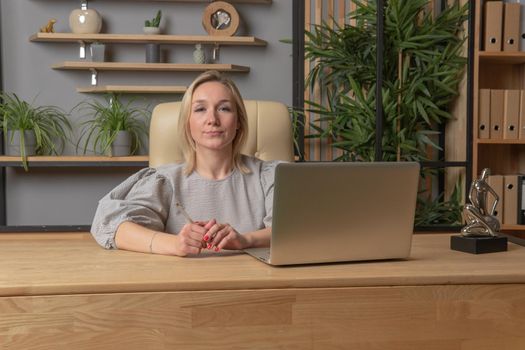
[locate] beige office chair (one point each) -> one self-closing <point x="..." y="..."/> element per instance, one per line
<point x="269" y="132"/>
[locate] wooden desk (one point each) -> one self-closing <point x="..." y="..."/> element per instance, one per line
<point x="61" y="291"/>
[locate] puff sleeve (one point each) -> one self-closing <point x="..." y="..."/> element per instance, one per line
<point x="267" y="180"/>
<point x="144" y="198"/>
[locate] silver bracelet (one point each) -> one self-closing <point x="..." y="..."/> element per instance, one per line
<point x="151" y="243"/>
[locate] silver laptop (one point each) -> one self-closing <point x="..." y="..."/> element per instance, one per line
<point x="331" y="212"/>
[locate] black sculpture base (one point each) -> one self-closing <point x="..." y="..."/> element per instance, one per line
<point x="478" y="244"/>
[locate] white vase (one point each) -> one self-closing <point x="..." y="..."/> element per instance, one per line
<point x="198" y="54"/>
<point x="151" y="30"/>
<point x="85" y="21"/>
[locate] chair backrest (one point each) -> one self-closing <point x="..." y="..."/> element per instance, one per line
<point x="270" y="134"/>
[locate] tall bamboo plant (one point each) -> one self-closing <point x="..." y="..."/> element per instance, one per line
<point x="422" y="67"/>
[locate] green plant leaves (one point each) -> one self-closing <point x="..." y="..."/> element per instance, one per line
<point x="52" y="128"/>
<point x="104" y="120"/>
<point x="50" y="124"/>
<point x="155" y="22"/>
<point x="422" y="67"/>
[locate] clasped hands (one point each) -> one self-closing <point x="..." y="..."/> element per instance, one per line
<point x="208" y="235"/>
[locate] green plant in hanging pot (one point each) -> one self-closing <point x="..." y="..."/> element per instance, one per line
<point x="113" y="128"/>
<point x="422" y="67"/>
<point x="30" y="130"/>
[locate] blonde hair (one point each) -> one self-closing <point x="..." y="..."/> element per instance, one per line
<point x="187" y="142"/>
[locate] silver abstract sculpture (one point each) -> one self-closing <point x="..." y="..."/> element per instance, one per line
<point x="480" y="219"/>
<point x="220" y="19"/>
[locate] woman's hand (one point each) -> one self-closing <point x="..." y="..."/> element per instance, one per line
<point x="190" y="238"/>
<point x="223" y="236"/>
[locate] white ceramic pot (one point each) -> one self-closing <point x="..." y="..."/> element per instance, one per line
<point x="151" y="30"/>
<point x="85" y="21"/>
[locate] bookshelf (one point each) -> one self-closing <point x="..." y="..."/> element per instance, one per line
<point x="495" y="70"/>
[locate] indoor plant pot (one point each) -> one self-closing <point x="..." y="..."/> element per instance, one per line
<point x="21" y="123"/>
<point x="152" y="27"/>
<point x="106" y="123"/>
<point x="122" y="143"/>
<point x="14" y="143"/>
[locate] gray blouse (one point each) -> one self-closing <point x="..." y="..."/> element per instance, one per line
<point x="149" y="198"/>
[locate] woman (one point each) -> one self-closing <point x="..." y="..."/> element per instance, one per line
<point x="229" y="195"/>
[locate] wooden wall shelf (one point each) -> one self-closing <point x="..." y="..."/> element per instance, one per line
<point x="133" y="89"/>
<point x="500" y="142"/>
<point x="142" y="39"/>
<point x="201" y="1"/>
<point x="163" y="67"/>
<point x="502" y="57"/>
<point x="68" y="161"/>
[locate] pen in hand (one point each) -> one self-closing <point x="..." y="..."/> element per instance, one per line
<point x="183" y="211"/>
<point x="188" y="219"/>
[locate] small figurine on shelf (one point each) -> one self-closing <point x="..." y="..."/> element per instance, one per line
<point x="198" y="54"/>
<point x="48" y="28"/>
<point x="152" y="26"/>
<point x="220" y="20"/>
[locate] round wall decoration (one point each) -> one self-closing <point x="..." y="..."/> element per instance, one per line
<point x="220" y="18"/>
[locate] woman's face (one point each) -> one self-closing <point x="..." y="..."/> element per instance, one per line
<point x="213" y="117"/>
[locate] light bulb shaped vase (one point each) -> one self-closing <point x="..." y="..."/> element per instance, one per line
<point x="85" y="21"/>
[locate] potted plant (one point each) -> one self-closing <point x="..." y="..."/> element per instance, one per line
<point x="152" y="26"/>
<point x="113" y="128"/>
<point x="422" y="67"/>
<point x="30" y="130"/>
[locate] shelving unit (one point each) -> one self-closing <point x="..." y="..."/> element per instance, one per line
<point x="95" y="67"/>
<point x="496" y="70"/>
<point x="82" y="41"/>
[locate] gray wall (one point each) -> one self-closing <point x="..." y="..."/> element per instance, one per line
<point x="68" y="196"/>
